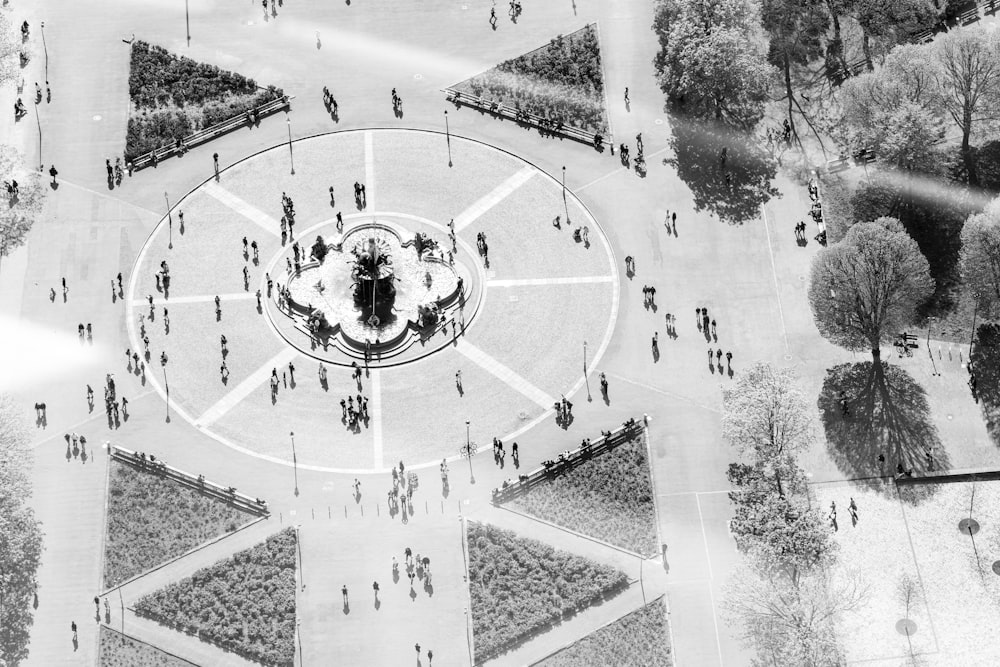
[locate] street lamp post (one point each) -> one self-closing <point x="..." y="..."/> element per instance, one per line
<point x="290" y="155"/>
<point x="187" y="21"/>
<point x="38" y="122"/>
<point x="298" y="547"/>
<point x="295" y="463"/>
<point x="170" y="221"/>
<point x="45" y="47"/>
<point x="586" y="377"/>
<point x="447" y="134"/>
<point x="166" y="385"/>
<point x="565" y="203"/>
<point x="468" y="451"/>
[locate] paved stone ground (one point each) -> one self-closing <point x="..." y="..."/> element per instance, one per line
<point x="750" y="277"/>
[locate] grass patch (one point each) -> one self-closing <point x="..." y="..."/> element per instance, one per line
<point x="118" y="650"/>
<point x="152" y="519"/>
<point x="173" y="96"/>
<point x="244" y="604"/>
<point x="562" y="80"/>
<point x="609" y="497"/>
<point x="520" y="586"/>
<point x="641" y="639"/>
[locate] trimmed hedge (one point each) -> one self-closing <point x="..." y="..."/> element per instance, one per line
<point x="152" y="519"/>
<point x="244" y="604"/>
<point x="559" y="81"/>
<point x="118" y="650"/>
<point x="609" y="497"/>
<point x="641" y="639"/>
<point x="173" y="96"/>
<point x="520" y="586"/>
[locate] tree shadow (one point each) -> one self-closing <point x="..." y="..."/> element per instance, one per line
<point x="887" y="414"/>
<point x="986" y="364"/>
<point x="696" y="150"/>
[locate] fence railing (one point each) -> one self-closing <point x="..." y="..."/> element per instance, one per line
<point x="546" y="125"/>
<point x="567" y="461"/>
<point x="245" y="119"/>
<point x="227" y="494"/>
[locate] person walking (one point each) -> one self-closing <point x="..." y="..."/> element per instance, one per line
<point x="343" y="591"/>
<point x="627" y="101"/>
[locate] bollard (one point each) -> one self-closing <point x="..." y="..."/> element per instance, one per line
<point x="280" y="519"/>
<point x="378" y="510"/>
<point x="426" y="509"/>
<point x="442" y="507"/>
<point x="362" y="509"/>
<point x="345" y="511"/>
<point x="313" y="509"/>
<point x="328" y="514"/>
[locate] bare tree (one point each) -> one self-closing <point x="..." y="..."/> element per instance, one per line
<point x="791" y="623"/>
<point x="19" y="212"/>
<point x="863" y="289"/>
<point x="766" y="417"/>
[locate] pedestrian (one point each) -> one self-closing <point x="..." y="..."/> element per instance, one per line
<point x="343" y="592"/>
<point x="53" y="172"/>
<point x="343" y="411"/>
<point x="291" y="369"/>
<point x="458" y="380"/>
<point x="430" y="653"/>
<point x="259" y="307"/>
<point x="513" y="450"/>
<point x="656" y="338"/>
<point x="218" y="305"/>
<point x="409" y="556"/>
<point x="627" y="101"/>
<point x="223" y="342"/>
<point x="253" y="246"/>
<point x="710" y="355"/>
<point x="417" y="646"/>
<point x="357" y="487"/>
<point x="375" y="588"/>
<point x="729" y="358"/>
<point x="215" y="161"/>
<point x="224" y="371"/>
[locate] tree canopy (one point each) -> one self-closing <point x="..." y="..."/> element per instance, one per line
<point x="981" y="256"/>
<point x="867" y="287"/>
<point x="20" y="537"/>
<point x="712" y="63"/>
<point x="18" y="214"/>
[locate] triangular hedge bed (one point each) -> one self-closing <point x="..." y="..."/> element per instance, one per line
<point x="609" y="496"/>
<point x="561" y="81"/>
<point x="520" y="586"/>
<point x="152" y="519"/>
<point x="173" y="96"/>
<point x="244" y="604"/>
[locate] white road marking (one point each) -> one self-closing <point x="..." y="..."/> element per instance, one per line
<point x="509" y="377"/>
<point x="369" y="170"/>
<point x="711" y="576"/>
<point x="491" y="199"/>
<point x="573" y="280"/>
<point x="245" y="388"/>
<point x="198" y="298"/>
<point x="376" y="416"/>
<point x="247" y="210"/>
<point x="774" y="272"/>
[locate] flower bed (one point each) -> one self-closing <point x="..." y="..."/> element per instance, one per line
<point x="520" y="586"/>
<point x="609" y="497"/>
<point x="559" y="81"/>
<point x="151" y="520"/>
<point x="641" y="639"/>
<point x="244" y="604"/>
<point x="118" y="650"/>
<point x="174" y="96"/>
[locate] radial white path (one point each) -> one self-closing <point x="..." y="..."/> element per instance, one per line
<point x="504" y="374"/>
<point x="376" y="416"/>
<point x="197" y="298"/>
<point x="245" y="388"/>
<point x="572" y="280"/>
<point x="244" y="208"/>
<point x="494" y="197"/>
<point x="369" y="170"/>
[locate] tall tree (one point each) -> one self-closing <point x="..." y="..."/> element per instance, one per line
<point x="864" y="289"/>
<point x="791" y="623"/>
<point x="712" y="62"/>
<point x="20" y="537"/>
<point x="894" y="111"/>
<point x="10" y="48"/>
<point x="970" y="84"/>
<point x="981" y="257"/>
<point x="890" y="20"/>
<point x="19" y="212"/>
<point x="766" y="417"/>
<point x="797" y="29"/>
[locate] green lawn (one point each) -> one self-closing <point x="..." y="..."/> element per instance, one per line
<point x="118" y="650"/>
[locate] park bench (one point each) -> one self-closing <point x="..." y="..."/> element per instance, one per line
<point x="864" y="156"/>
<point x="839" y="164"/>
<point x="969" y="16"/>
<point x="624" y="433"/>
<point x="545" y="125"/>
<point x="208" y="133"/>
<point x="228" y="495"/>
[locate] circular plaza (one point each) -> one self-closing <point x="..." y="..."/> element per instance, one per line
<point x="466" y="285"/>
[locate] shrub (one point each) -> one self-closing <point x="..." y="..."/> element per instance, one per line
<point x="152" y="519"/>
<point x="520" y="586"/>
<point x="641" y="639"/>
<point x="245" y="604"/>
<point x="609" y="497"/>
